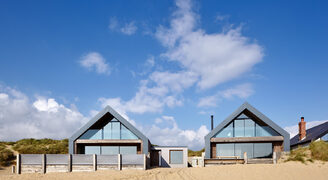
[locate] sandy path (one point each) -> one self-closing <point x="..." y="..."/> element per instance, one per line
<point x="290" y="170"/>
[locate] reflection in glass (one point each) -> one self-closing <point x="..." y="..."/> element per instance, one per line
<point x="226" y="132"/>
<point x="226" y="149"/>
<point x="92" y="134"/>
<point x="92" y="150"/>
<point x="176" y="157"/>
<point x="262" y="150"/>
<point x="249" y="128"/>
<point x="109" y="150"/>
<point x="128" y="149"/>
<point x="240" y="148"/>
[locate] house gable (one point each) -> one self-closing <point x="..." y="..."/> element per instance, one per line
<point x="108" y="114"/>
<point x="255" y="114"/>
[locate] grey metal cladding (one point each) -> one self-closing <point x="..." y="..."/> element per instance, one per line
<point x="110" y="110"/>
<point x="243" y="107"/>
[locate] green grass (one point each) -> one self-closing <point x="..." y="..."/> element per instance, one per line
<point x="319" y="150"/>
<point x="6" y="156"/>
<point x="41" y="146"/>
<point x="298" y="154"/>
<point x="192" y="153"/>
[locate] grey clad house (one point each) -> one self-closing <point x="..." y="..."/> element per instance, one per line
<point x="108" y="133"/>
<point x="246" y="130"/>
<point x="306" y="136"/>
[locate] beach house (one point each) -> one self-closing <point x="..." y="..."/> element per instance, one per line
<point x="246" y="130"/>
<point x="108" y="133"/>
<point x="306" y="136"/>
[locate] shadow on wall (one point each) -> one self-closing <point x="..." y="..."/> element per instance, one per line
<point x="164" y="163"/>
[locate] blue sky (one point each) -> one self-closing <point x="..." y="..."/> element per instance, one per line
<point x="164" y="65"/>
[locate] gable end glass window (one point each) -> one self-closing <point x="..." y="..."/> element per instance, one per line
<point x="244" y="126"/>
<point x="113" y="130"/>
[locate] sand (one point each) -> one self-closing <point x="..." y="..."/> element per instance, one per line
<point x="290" y="170"/>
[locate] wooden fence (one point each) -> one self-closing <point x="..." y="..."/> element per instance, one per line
<point x="44" y="163"/>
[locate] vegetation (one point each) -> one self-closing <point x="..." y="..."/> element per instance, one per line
<point x="319" y="150"/>
<point x="299" y="154"/>
<point x="41" y="146"/>
<point x="6" y="156"/>
<point x="192" y="153"/>
<point x="316" y="151"/>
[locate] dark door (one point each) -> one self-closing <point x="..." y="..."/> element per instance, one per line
<point x="154" y="158"/>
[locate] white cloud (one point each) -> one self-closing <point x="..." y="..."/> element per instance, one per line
<point x="206" y="60"/>
<point x="113" y="24"/>
<point x="129" y="28"/>
<point x="208" y="101"/>
<point x="214" y="58"/>
<point x="241" y="91"/>
<point x="293" y="130"/>
<point x="221" y="17"/>
<point x="166" y="132"/>
<point x="42" y="118"/>
<point x="95" y="61"/>
<point x="150" y="62"/>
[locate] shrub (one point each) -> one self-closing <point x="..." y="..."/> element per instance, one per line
<point x="41" y="146"/>
<point x="319" y="150"/>
<point x="6" y="157"/>
<point x="298" y="154"/>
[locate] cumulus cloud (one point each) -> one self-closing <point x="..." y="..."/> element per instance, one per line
<point x="147" y="99"/>
<point x="214" y="58"/>
<point x="241" y="91"/>
<point x="129" y="28"/>
<point x="293" y="130"/>
<point x="166" y="132"/>
<point x="205" y="60"/>
<point x="42" y="118"/>
<point x="95" y="61"/>
<point x="21" y="117"/>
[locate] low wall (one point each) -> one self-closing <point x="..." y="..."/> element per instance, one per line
<point x="45" y="163"/>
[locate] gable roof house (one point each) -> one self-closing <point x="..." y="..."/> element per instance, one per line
<point x="108" y="133"/>
<point x="246" y="130"/>
<point x="306" y="136"/>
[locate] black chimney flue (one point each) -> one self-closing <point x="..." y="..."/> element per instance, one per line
<point x="211" y="122"/>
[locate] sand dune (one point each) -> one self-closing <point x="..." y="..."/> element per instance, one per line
<point x="290" y="170"/>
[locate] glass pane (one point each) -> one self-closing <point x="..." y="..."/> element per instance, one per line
<point x="262" y="150"/>
<point x="92" y="134"/>
<point x="126" y="133"/>
<point x="108" y="131"/>
<point x="239" y="128"/>
<point x="116" y="130"/>
<point x="249" y="128"/>
<point x="176" y="157"/>
<point x="92" y="150"/>
<point x="242" y="116"/>
<point x="128" y="149"/>
<point x="265" y="131"/>
<point x="226" y="132"/>
<point x="325" y="137"/>
<point x="240" y="148"/>
<point x="109" y="150"/>
<point x="225" y="149"/>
